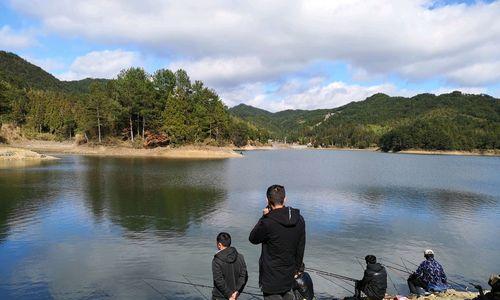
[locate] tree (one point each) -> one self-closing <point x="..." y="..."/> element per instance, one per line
<point x="100" y="109"/>
<point x="135" y="93"/>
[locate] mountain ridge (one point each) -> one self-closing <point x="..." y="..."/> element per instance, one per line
<point x="463" y="122"/>
<point x="23" y="74"/>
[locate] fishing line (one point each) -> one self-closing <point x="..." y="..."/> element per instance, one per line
<point x="393" y="284"/>
<point x="151" y="286"/>
<point x="195" y="287"/>
<point x="404" y="264"/>
<point x="197" y="284"/>
<point x="204" y="279"/>
<point x="362" y="267"/>
<point x="330" y="274"/>
<point x="336" y="283"/>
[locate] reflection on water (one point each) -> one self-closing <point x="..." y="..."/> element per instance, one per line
<point x="89" y="227"/>
<point x="165" y="197"/>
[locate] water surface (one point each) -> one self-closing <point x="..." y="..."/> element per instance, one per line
<point x="90" y="227"/>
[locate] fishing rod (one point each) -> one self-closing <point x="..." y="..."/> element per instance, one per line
<point x="404" y="263"/>
<point x="155" y="289"/>
<point x="393" y="284"/>
<point x="359" y="262"/>
<point x="195" y="287"/>
<point x="195" y="284"/>
<point x="330" y="274"/>
<point x="204" y="279"/>
<point x="336" y="283"/>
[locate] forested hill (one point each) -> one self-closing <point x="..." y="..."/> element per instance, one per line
<point x="453" y="121"/>
<point x="149" y="110"/>
<point x="21" y="73"/>
<point x="287" y="123"/>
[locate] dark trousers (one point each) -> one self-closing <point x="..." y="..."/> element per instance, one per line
<point x="357" y="289"/>
<point x="284" y="296"/>
<point x="416" y="285"/>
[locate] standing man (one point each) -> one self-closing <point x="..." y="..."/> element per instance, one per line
<point x="229" y="270"/>
<point x="429" y="276"/>
<point x="281" y="231"/>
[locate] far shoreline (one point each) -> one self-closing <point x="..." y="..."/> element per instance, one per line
<point x="489" y="153"/>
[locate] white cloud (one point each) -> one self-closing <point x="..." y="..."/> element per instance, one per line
<point x="231" y="42"/>
<point x="100" y="64"/>
<point x="487" y="72"/>
<point x="10" y="40"/>
<point x="48" y="64"/>
<point x="318" y="93"/>
<point x="311" y="94"/>
<point x="228" y="71"/>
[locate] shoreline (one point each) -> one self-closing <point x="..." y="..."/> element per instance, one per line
<point x="199" y="151"/>
<point x="489" y="153"/>
<point x="184" y="152"/>
<point x="15" y="154"/>
<point x="12" y="157"/>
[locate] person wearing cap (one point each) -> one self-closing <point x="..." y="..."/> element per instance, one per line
<point x="374" y="282"/>
<point x="429" y="276"/>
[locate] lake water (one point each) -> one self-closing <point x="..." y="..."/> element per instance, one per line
<point x="94" y="228"/>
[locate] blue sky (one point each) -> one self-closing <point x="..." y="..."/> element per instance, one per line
<point x="275" y="55"/>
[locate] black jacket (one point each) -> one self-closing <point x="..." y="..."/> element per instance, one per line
<point x="374" y="282"/>
<point x="229" y="272"/>
<point x="282" y="234"/>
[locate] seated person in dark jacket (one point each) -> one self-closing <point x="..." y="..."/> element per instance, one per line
<point x="281" y="231"/>
<point x="494" y="293"/>
<point x="374" y="282"/>
<point x="429" y="276"/>
<point x="229" y="270"/>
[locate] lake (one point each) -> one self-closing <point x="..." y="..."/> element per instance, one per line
<point x="98" y="228"/>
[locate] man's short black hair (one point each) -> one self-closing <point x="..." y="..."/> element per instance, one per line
<point x="370" y="259"/>
<point x="224" y="238"/>
<point x="276" y="194"/>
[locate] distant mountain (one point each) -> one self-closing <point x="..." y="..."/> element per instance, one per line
<point x="453" y="121"/>
<point x="23" y="74"/>
<point x="283" y="123"/>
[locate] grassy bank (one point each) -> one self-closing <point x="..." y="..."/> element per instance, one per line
<point x="185" y="152"/>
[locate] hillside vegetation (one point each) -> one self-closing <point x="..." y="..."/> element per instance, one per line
<point x="453" y="121"/>
<point x="146" y="109"/>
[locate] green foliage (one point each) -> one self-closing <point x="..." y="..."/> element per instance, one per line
<point x="50" y="112"/>
<point x="452" y="121"/>
<point x="443" y="130"/>
<point x="166" y="104"/>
